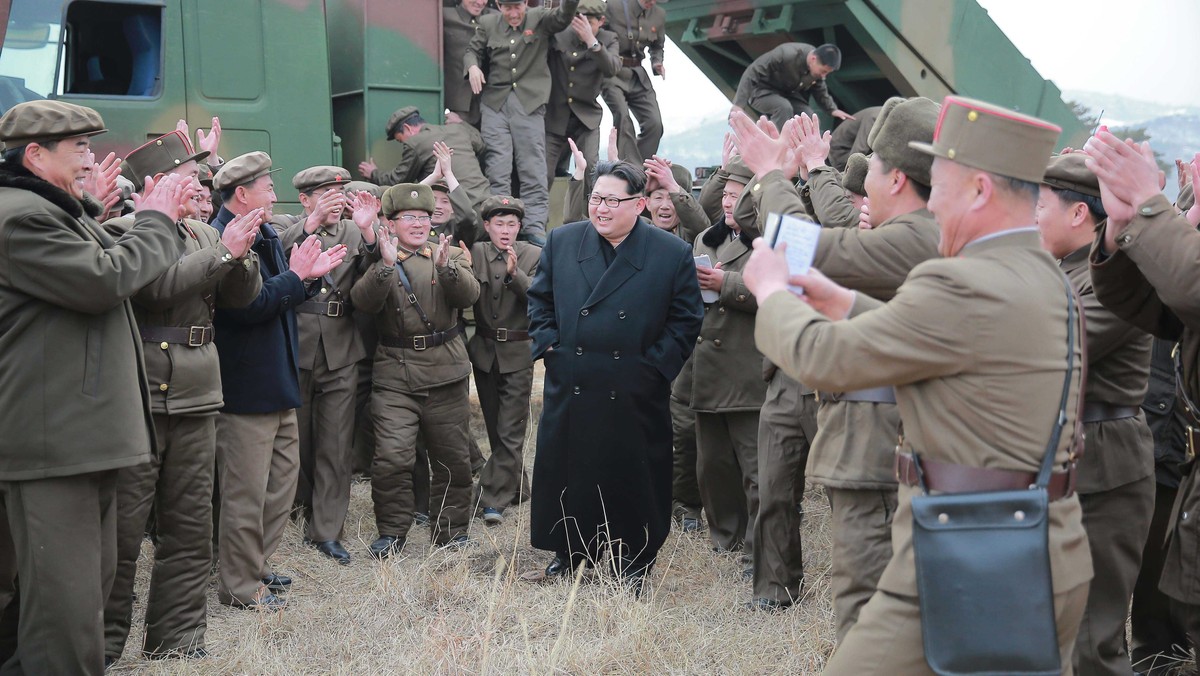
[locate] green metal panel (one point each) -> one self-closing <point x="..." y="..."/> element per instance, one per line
<point x="890" y="47"/>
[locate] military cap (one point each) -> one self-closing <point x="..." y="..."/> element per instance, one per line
<point x="365" y="186"/>
<point x="397" y="118"/>
<point x="590" y="8"/>
<point x="993" y="139"/>
<point x="738" y="171"/>
<point x="45" y="120"/>
<point x="319" y="177"/>
<point x="407" y="197"/>
<point x="243" y="169"/>
<point x="855" y="174"/>
<point x="205" y="175"/>
<point x="900" y="122"/>
<point x="501" y="204"/>
<point x="127" y="190"/>
<point x="1068" y="172"/>
<point x="510" y="2"/>
<point x="440" y="186"/>
<point x="159" y="156"/>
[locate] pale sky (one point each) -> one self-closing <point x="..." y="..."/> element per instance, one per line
<point x="1147" y="50"/>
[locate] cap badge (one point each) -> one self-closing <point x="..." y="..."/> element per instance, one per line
<point x="413" y="194"/>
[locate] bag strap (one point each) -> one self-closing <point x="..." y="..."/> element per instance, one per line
<point x="412" y="297"/>
<point x="1043" y="476"/>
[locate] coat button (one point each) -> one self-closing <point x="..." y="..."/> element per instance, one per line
<point x="621" y="314"/>
<point x="699" y="339"/>
<point x="577" y="390"/>
<point x="579" y="350"/>
<point x="616" y="354"/>
<point x="163" y="345"/>
<point x="721" y="310"/>
<point x="497" y="276"/>
<point x="1162" y="406"/>
<point x="717" y="342"/>
<point x="741" y="297"/>
<point x="163" y="387"/>
<point x="583" y="312"/>
<point x="612" y="394"/>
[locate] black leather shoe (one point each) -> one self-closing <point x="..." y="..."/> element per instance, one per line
<point x="334" y="550"/>
<point x="559" y="567"/>
<point x="690" y="524"/>
<point x="268" y="603"/>
<point x="277" y="583"/>
<point x="458" y="542"/>
<point x="767" y="605"/>
<point x="386" y="546"/>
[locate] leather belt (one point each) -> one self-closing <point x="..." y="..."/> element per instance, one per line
<point x="1097" y="411"/>
<point x="333" y="308"/>
<point x="947" y="477"/>
<point x="631" y="61"/>
<point x="419" y="343"/>
<point x="874" y="395"/>
<point x="503" y="335"/>
<point x="192" y="336"/>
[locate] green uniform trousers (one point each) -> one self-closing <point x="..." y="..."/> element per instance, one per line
<point x="1159" y="637"/>
<point x="440" y="414"/>
<point x="1117" y="523"/>
<point x="518" y="137"/>
<point x="862" y="548"/>
<point x="257" y="464"/>
<point x="504" y="398"/>
<point x="786" y="428"/>
<point x="640" y="102"/>
<point x="887" y="638"/>
<point x="59" y="545"/>
<point x="727" y="470"/>
<point x="326" y="433"/>
<point x="685" y="488"/>
<point x="177" y="484"/>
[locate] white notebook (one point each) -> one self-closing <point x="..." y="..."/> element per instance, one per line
<point x="801" y="237"/>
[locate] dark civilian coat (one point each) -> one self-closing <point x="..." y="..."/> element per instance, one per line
<point x="258" y="344"/>
<point x="613" y="339"/>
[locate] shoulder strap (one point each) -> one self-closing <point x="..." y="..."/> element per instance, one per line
<point x="412" y="297"/>
<point x="1043" y="476"/>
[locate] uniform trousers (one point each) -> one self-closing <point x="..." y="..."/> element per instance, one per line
<point x="58" y="548"/>
<point x="637" y="100"/>
<point x="504" y="399"/>
<point x="512" y="134"/>
<point x="786" y="429"/>
<point x="685" y="488"/>
<point x="441" y="414"/>
<point x="862" y="546"/>
<point x="887" y="638"/>
<point x="177" y="484"/>
<point x="779" y="109"/>
<point x="587" y="140"/>
<point x="1159" y="635"/>
<point x="257" y="465"/>
<point x="1117" y="522"/>
<point x="326" y="433"/>
<point x="727" y="470"/>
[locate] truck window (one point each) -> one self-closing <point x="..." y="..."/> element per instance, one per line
<point x="30" y="52"/>
<point x="112" y="49"/>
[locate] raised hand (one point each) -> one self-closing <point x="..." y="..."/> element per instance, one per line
<point x="583" y="29"/>
<point x="729" y="145"/>
<point x="660" y="170"/>
<point x="365" y="212"/>
<point x="466" y="252"/>
<point x="388" y="246"/>
<point x="813" y="145"/>
<point x="760" y="153"/>
<point x="441" y="255"/>
<point x="1193" y="171"/>
<point x="330" y="202"/>
<point x="581" y="164"/>
<point x="1128" y="177"/>
<point x="240" y="233"/>
<point x="660" y="70"/>
<point x="367" y="168"/>
<point x="168" y="195"/>
<point x="329" y="259"/>
<point x="101" y="181"/>
<point x="864" y="215"/>
<point x="210" y="141"/>
<point x="510" y="261"/>
<point x="614" y="155"/>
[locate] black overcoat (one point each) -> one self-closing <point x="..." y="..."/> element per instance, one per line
<point x="612" y="340"/>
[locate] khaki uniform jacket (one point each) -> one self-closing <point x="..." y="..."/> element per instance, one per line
<point x="1116" y="452"/>
<point x="458" y="27"/>
<point x="637" y="29"/>
<point x="441" y="293"/>
<point x="75" y="395"/>
<point x="1150" y="282"/>
<point x="418" y="161"/>
<point x="502" y="305"/>
<point x="976" y="385"/>
<point x="204" y="277"/>
<point x="827" y="198"/>
<point x="783" y="71"/>
<point x="850" y="137"/>
<point x="726" y="368"/>
<point x="336" y="337"/>
<point x="515" y="59"/>
<point x="577" y="74"/>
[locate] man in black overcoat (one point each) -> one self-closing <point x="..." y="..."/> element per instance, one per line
<point x="615" y="311"/>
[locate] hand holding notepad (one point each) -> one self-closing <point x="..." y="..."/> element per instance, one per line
<point x="801" y="238"/>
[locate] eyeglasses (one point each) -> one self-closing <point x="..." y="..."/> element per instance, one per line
<point x="610" y="202"/>
<point x="409" y="219"/>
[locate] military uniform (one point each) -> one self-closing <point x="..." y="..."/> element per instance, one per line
<point x="577" y="72"/>
<point x="778" y="85"/>
<point x="957" y="343"/>
<point x="330" y="347"/>
<point x="76" y="401"/>
<point x="630" y="93"/>
<point x="827" y="200"/>
<point x="503" y="364"/>
<point x="458" y="27"/>
<point x="464" y="224"/>
<point x="420" y="381"/>
<point x="174" y="315"/>
<point x="514" y="102"/>
<point x="850" y="136"/>
<point x="418" y="160"/>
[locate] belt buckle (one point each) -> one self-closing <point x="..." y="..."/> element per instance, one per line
<point x="419" y="343"/>
<point x="194" y="341"/>
<point x="502" y="335"/>
<point x="333" y="308"/>
<point x="412" y="299"/>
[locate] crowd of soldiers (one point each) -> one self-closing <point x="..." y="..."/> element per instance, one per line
<point x="180" y="361"/>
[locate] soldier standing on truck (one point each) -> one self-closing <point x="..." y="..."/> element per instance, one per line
<point x="638" y="24"/>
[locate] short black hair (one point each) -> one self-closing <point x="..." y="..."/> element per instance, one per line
<point x="923" y="191"/>
<point x="633" y="175"/>
<point x="829" y="55"/>
<point x="1093" y="203"/>
<point x="14" y="156"/>
<point x="414" y="119"/>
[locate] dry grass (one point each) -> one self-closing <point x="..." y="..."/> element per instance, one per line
<point x="466" y="612"/>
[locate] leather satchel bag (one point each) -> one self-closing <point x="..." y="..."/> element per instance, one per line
<point x="983" y="568"/>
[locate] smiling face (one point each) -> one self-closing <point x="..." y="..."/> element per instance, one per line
<point x="309" y="202"/>
<point x="257" y="194"/>
<point x="193" y="208"/>
<point x="204" y="202"/>
<point x="411" y="227"/>
<point x="502" y="229"/>
<point x="614" y="223"/>
<point x="662" y="209"/>
<point x="514" y="13"/>
<point x="474" y="7"/>
<point x="65" y="166"/>
<point x="442" y="208"/>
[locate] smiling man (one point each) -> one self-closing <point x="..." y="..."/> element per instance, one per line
<point x="614" y="310"/>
